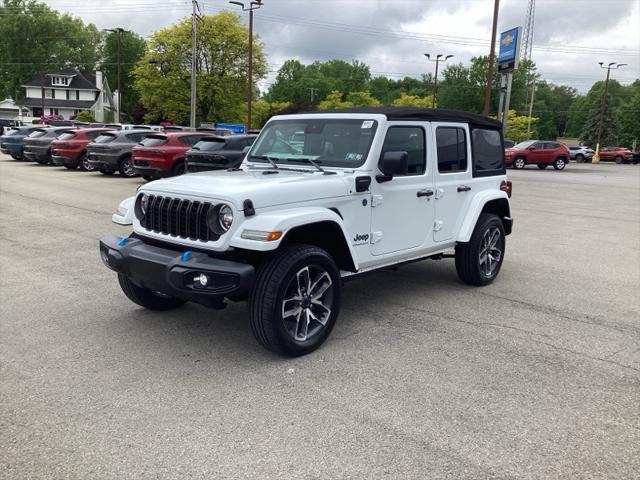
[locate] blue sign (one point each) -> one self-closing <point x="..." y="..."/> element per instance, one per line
<point x="509" y="47"/>
<point x="234" y="127"/>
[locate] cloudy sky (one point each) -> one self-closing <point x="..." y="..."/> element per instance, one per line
<point x="570" y="36"/>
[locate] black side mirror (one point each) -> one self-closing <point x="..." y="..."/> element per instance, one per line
<point x="393" y="163"/>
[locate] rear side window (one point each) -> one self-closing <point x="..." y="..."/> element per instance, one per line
<point x="153" y="141"/>
<point x="94" y="135"/>
<point x="105" y="138"/>
<point x="37" y="133"/>
<point x="210" y="145"/>
<point x="136" y="137"/>
<point x="451" y="143"/>
<point x="551" y="145"/>
<point x="12" y="131"/>
<point x="190" y="140"/>
<point x="488" y="154"/>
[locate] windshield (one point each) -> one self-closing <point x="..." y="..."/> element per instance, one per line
<point x="105" y="138"/>
<point x="12" y="131"/>
<point x="332" y="142"/>
<point x="526" y="144"/>
<point x="37" y="133"/>
<point x="67" y="136"/>
<point x="209" y="145"/>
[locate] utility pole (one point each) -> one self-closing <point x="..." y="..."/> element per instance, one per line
<point x="492" y="58"/>
<point x="254" y="5"/>
<point x="313" y="93"/>
<point x="603" y="105"/>
<point x="435" y="79"/>
<point x="118" y="31"/>
<point x="533" y="94"/>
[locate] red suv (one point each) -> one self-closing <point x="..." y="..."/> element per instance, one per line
<point x="536" y="152"/>
<point x="619" y="154"/>
<point x="70" y="147"/>
<point x="162" y="154"/>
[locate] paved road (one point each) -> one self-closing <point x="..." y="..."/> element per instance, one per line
<point x="537" y="375"/>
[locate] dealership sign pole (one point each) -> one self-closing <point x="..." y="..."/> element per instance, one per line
<point x="508" y="56"/>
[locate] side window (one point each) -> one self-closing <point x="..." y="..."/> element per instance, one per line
<point x="538" y="145"/>
<point x="550" y="145"/>
<point x="451" y="143"/>
<point x="488" y="154"/>
<point x="410" y="140"/>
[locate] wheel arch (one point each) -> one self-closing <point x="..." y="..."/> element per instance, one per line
<point x="494" y="202"/>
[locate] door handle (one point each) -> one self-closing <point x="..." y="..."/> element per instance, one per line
<point x="464" y="188"/>
<point x="425" y="193"/>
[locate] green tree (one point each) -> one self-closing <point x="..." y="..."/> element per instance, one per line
<point x="132" y="50"/>
<point x="36" y="38"/>
<point x="162" y="76"/>
<point x="333" y="101"/>
<point x="85" y="116"/>
<point x="592" y="124"/>
<point x="628" y="115"/>
<point x="518" y="127"/>
<point x="405" y="100"/>
<point x="263" y="110"/>
<point x="362" y="99"/>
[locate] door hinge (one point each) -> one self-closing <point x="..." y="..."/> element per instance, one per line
<point x="437" y="225"/>
<point x="376" y="200"/>
<point x="376" y="237"/>
<point x="439" y="193"/>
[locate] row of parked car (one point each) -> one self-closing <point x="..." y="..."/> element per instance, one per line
<point x="129" y="150"/>
<point x="556" y="154"/>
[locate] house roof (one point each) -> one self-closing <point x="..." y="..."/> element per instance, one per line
<point x="84" y="81"/>
<point x="56" y="102"/>
<point x="422" y="114"/>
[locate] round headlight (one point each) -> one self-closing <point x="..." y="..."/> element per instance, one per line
<point x="225" y="217"/>
<point x="144" y="203"/>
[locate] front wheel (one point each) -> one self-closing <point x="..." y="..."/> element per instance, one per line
<point x="580" y="158"/>
<point x="147" y="298"/>
<point x="179" y="169"/>
<point x="559" y="164"/>
<point x="519" y="163"/>
<point x="542" y="166"/>
<point x="478" y="261"/>
<point x="295" y="301"/>
<point x="126" y="168"/>
<point x="619" y="160"/>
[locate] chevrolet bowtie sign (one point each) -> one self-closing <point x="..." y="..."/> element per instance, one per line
<point x="509" y="50"/>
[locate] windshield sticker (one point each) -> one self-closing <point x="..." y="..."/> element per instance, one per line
<point x="353" y="157"/>
<point x="367" y="124"/>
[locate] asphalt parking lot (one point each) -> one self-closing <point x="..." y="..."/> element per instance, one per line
<point x="534" y="376"/>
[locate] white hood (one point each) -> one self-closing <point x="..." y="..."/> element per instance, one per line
<point x="263" y="187"/>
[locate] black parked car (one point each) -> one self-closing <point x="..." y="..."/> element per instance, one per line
<point x="37" y="145"/>
<point x="111" y="151"/>
<point x="12" y="142"/>
<point x="218" y="153"/>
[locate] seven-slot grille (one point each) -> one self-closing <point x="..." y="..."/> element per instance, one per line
<point x="178" y="217"/>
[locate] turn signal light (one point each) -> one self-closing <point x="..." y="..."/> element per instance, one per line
<point x="507" y="187"/>
<point x="261" y="235"/>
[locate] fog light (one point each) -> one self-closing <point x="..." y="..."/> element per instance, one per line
<point x="201" y="280"/>
<point x="104" y="257"/>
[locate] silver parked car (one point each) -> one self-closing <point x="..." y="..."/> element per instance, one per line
<point x="581" y="153"/>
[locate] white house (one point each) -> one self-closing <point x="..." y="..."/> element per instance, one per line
<point x="67" y="92"/>
<point x="10" y="111"/>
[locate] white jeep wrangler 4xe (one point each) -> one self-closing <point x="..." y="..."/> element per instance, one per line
<point x="319" y="197"/>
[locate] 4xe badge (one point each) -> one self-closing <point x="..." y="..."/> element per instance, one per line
<point x="361" y="239"/>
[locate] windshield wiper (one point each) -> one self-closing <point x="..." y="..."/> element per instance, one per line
<point x="267" y="158"/>
<point x="307" y="159"/>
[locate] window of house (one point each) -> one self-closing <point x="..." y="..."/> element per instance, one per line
<point x="48" y="93"/>
<point x="451" y="144"/>
<point x="60" y="81"/>
<point x="410" y="140"/>
<point x="488" y="153"/>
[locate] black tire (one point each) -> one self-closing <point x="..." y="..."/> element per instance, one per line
<point x="542" y="166"/>
<point x="275" y="282"/>
<point x="107" y="172"/>
<point x="125" y="167"/>
<point x="16" y="157"/>
<point x="519" y="163"/>
<point x="560" y="163"/>
<point x="83" y="163"/>
<point x="147" y="298"/>
<point x="44" y="161"/>
<point x="580" y="158"/>
<point x="179" y="168"/>
<point x="619" y="160"/>
<point x="468" y="257"/>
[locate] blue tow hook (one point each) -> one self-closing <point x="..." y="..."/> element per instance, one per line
<point x="186" y="256"/>
<point x="123" y="241"/>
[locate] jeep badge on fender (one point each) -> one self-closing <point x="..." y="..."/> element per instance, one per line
<point x="282" y="230"/>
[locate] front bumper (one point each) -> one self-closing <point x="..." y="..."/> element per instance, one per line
<point x="172" y="272"/>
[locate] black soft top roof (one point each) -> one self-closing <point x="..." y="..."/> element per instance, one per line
<point x="422" y="114"/>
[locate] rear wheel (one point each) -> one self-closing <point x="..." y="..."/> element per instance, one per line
<point x="619" y="159"/>
<point x="580" y="158"/>
<point x="44" y="161"/>
<point x="559" y="163"/>
<point x="179" y="168"/>
<point x="478" y="261"/>
<point x="85" y="164"/>
<point x="519" y="163"/>
<point x="16" y="157"/>
<point x="126" y="167"/>
<point x="147" y="298"/>
<point x="542" y="166"/>
<point x="295" y="301"/>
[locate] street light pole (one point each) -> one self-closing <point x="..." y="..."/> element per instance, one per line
<point x="118" y="31"/>
<point x="435" y="80"/>
<point x="254" y="5"/>
<point x="603" y="104"/>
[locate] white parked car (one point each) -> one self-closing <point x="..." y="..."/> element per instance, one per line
<point x="360" y="190"/>
<point x="581" y="153"/>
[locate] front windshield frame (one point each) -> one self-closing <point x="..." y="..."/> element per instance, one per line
<point x="319" y="150"/>
<point x="525" y="144"/>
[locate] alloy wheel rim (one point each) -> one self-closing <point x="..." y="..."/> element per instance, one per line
<point x="519" y="163"/>
<point x="87" y="166"/>
<point x="560" y="163"/>
<point x="306" y="307"/>
<point x="127" y="168"/>
<point x="490" y="252"/>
